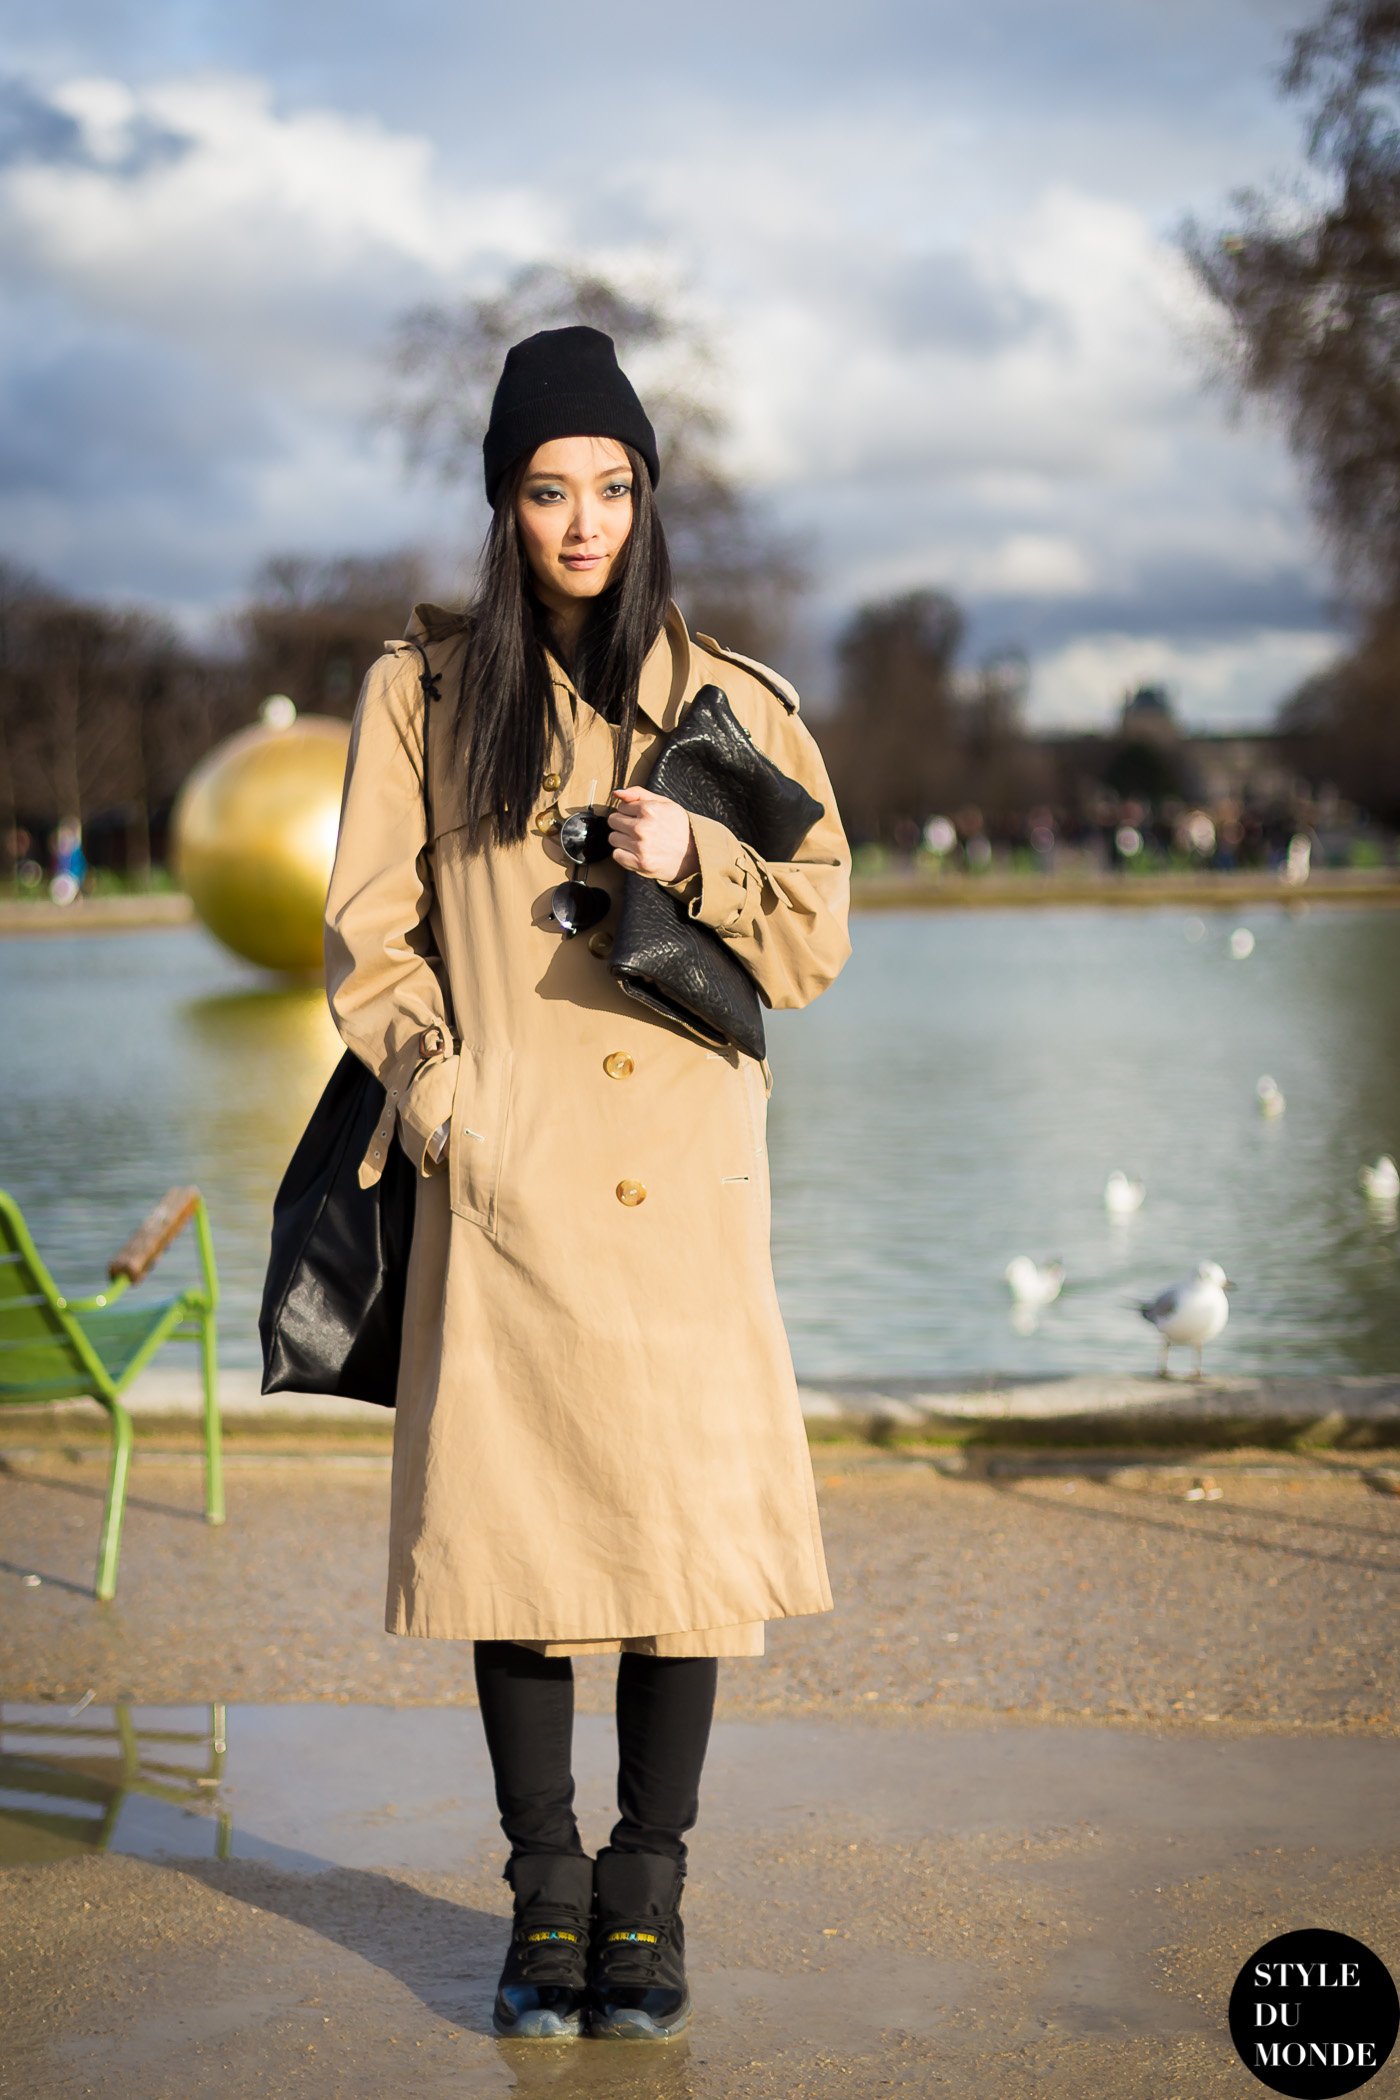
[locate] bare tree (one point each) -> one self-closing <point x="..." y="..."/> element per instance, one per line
<point x="893" y="745"/>
<point x="1310" y="286"/>
<point x="84" y="715"/>
<point x="1344" y="722"/>
<point x="735" y="573"/>
<point x="1003" y="772"/>
<point x="23" y="597"/>
<point x="314" y="625"/>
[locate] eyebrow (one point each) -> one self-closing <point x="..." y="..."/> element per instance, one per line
<point x="607" y="474"/>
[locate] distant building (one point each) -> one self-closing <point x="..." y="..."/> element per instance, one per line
<point x="1147" y="718"/>
<point x="1246" y="766"/>
<point x="1149" y="754"/>
<point x="1150" y="758"/>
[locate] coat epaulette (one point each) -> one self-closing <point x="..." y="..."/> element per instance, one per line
<point x="436" y="623"/>
<point x="772" y="679"/>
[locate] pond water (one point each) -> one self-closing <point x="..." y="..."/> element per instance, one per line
<point x="958" y="1097"/>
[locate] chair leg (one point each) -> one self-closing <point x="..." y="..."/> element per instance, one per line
<point x="213" y="1434"/>
<point x="110" y="1544"/>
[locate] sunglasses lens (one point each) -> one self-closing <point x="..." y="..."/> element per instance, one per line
<point x="579" y="905"/>
<point x="584" y="835"/>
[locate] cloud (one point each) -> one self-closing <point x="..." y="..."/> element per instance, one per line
<point x="1220" y="685"/>
<point x="949" y="361"/>
<point x="79" y="413"/>
<point x="106" y="131"/>
<point x="275" y="246"/>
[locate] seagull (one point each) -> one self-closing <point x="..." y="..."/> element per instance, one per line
<point x="1032" y="1282"/>
<point x="1271" y="1101"/>
<point x="1121" y="1195"/>
<point x="1382" y="1181"/>
<point x="1191" y="1312"/>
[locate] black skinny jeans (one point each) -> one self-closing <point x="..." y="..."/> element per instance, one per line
<point x="665" y="1704"/>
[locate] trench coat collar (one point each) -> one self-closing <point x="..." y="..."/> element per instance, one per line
<point x="668" y="677"/>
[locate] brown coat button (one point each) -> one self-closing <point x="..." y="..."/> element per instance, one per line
<point x="553" y="781"/>
<point x="618" y="1065"/>
<point x="630" y="1192"/>
<point x="600" y="942"/>
<point x="549" y="820"/>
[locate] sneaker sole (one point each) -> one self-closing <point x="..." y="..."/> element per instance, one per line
<point x="630" y="2025"/>
<point x="542" y="2025"/>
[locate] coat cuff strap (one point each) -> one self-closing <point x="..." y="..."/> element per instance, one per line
<point x="423" y="1075"/>
<point x="720" y="898"/>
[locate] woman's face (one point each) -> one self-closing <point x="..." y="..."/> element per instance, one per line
<point x="574" y="511"/>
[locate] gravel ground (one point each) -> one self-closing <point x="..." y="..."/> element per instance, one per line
<point x="976" y="1909"/>
<point x="1007" y="1822"/>
<point x="1039" y="1596"/>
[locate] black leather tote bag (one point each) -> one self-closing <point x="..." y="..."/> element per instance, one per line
<point x="332" y="1309"/>
<point x="660" y="955"/>
<point x="332" y="1305"/>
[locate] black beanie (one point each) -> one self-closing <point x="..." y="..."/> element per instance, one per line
<point x="563" y="382"/>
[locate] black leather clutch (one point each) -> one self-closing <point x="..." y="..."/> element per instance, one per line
<point x="660" y="955"/>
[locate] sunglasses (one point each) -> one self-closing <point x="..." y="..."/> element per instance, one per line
<point x="583" y="837"/>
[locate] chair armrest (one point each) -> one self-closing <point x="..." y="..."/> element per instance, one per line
<point x="99" y="1300"/>
<point x="150" y="1240"/>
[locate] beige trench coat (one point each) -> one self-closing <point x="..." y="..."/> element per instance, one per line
<point x="598" y="1442"/>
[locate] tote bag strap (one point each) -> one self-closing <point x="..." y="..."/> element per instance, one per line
<point x="431" y="684"/>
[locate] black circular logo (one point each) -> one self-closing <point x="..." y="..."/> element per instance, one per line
<point x="1313" y="2014"/>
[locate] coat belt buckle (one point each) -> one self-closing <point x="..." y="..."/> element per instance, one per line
<point x="433" y="1043"/>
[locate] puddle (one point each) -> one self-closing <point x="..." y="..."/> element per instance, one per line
<point x="323" y="1785"/>
<point x="310" y="1786"/>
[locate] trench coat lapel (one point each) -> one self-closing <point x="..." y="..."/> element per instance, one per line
<point x="669" y="677"/>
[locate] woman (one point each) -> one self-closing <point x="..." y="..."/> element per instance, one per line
<point x="598" y="1442"/>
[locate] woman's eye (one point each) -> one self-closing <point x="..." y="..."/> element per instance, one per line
<point x="619" y="488"/>
<point x="544" y="495"/>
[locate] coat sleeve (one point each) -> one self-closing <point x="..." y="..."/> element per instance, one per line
<point x="384" y="978"/>
<point x="785" y="920"/>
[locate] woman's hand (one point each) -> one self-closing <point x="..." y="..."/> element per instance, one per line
<point x="651" y="835"/>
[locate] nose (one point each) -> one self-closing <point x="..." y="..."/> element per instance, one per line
<point x="583" y="525"/>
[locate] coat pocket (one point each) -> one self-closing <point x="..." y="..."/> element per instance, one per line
<point x="480" y="1114"/>
<point x="756" y="1109"/>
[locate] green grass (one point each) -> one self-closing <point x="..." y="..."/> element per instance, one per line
<point x="98" y="882"/>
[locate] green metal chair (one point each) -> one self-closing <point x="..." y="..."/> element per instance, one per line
<point x="57" y="1348"/>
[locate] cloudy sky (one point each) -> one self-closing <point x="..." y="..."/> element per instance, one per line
<point x="933" y="244"/>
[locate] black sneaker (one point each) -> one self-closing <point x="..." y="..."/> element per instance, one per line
<point x="637" y="1988"/>
<point x="543" y="1984"/>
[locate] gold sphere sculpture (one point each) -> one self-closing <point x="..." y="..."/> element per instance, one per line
<point x="253" y="834"/>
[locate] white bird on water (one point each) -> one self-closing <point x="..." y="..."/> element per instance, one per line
<point x="1190" y="1313"/>
<point x="1122" y="1195"/>
<point x="1382" y="1181"/>
<point x="1034" y="1282"/>
<point x="1270" y="1093"/>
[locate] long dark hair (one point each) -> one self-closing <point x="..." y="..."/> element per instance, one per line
<point x="507" y="711"/>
